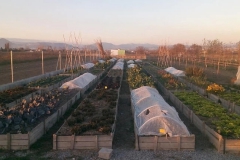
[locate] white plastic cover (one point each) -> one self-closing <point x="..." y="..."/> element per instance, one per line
<point x="101" y="61"/>
<point x="138" y="60"/>
<point x="152" y="113"/>
<point x="118" y="65"/>
<point x="79" y="82"/>
<point x="130" y="62"/>
<point x="131" y="65"/>
<point x="175" y="71"/>
<point x="87" y="65"/>
<point x="121" y="60"/>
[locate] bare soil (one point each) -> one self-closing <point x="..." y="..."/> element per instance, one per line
<point x="124" y="133"/>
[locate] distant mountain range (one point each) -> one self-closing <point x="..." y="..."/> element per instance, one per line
<point x="35" y="44"/>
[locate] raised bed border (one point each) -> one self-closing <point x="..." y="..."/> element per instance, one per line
<point x="86" y="141"/>
<point x="24" y="141"/>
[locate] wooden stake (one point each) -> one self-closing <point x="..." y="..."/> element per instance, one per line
<point x="60" y="56"/>
<point x="11" y="66"/>
<point x="42" y="64"/>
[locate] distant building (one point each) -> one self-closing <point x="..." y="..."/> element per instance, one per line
<point x="122" y="54"/>
<point x="118" y="52"/>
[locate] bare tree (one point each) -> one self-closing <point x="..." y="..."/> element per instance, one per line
<point x="140" y="50"/>
<point x="100" y="47"/>
<point x="215" y="48"/>
<point x="194" y="52"/>
<point x="178" y="49"/>
<point x="7" y="46"/>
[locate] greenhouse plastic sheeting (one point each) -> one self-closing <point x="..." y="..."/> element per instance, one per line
<point x="175" y="71"/>
<point x="130" y="62"/>
<point x="118" y="65"/>
<point x="79" y="82"/>
<point x="152" y="113"/>
<point x="101" y="61"/>
<point x="131" y="65"/>
<point x="121" y="60"/>
<point x="87" y="65"/>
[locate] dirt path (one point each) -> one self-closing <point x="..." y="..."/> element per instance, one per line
<point x="124" y="134"/>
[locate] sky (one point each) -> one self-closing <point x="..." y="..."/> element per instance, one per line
<point x="122" y="21"/>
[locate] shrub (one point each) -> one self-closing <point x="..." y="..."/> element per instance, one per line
<point x="215" y="88"/>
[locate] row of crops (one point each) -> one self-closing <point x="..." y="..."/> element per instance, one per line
<point x="205" y="102"/>
<point x="41" y="108"/>
<point x="93" y="122"/>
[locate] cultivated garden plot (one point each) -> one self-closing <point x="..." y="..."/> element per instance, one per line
<point x="92" y="124"/>
<point x="216" y="122"/>
<point x="46" y="82"/>
<point x="29" y="120"/>
<point x="227" y="95"/>
<point x="156" y="124"/>
<point x="11" y="97"/>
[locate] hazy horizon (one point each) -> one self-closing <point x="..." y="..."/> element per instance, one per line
<point x="120" y="22"/>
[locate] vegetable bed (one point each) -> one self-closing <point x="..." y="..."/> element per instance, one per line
<point x="47" y="81"/>
<point x="92" y="124"/>
<point x="219" y="125"/>
<point x="166" y="79"/>
<point x="226" y="124"/>
<point x="91" y="121"/>
<point x="10" y="95"/>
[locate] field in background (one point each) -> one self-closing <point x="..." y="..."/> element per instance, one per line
<point x="22" y="57"/>
<point x="29" y="64"/>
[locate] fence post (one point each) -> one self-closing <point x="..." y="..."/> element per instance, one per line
<point x="42" y="64"/>
<point x="11" y="65"/>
